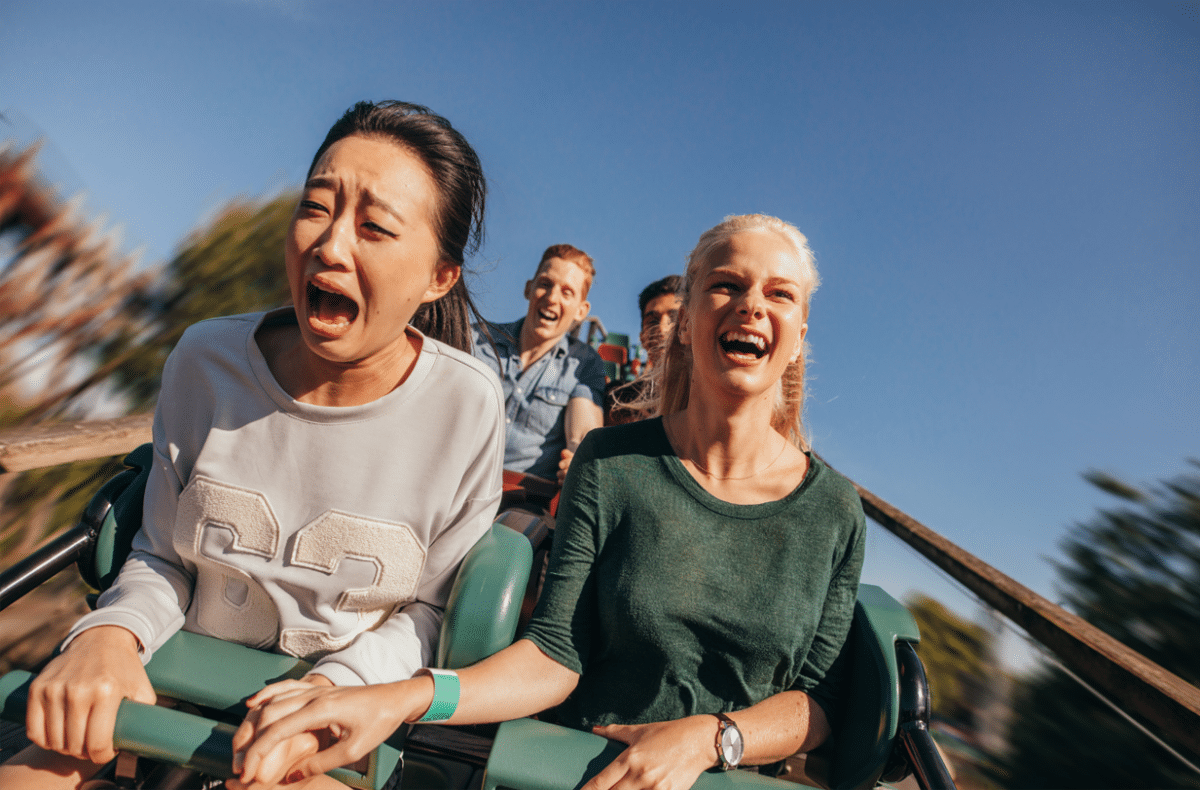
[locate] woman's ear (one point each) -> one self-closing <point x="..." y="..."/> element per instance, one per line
<point x="800" y="342"/>
<point x="683" y="329"/>
<point x="445" y="275"/>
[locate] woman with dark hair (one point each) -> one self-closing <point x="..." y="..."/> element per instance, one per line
<point x="315" y="486"/>
<point x="704" y="569"/>
<point x="462" y="194"/>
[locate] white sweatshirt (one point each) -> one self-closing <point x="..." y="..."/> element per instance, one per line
<point x="328" y="533"/>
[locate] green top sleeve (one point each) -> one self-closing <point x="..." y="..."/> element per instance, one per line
<point x="563" y="620"/>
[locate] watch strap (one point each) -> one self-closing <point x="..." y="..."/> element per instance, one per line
<point x="445" y="695"/>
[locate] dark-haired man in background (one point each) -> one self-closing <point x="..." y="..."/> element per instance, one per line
<point x="659" y="304"/>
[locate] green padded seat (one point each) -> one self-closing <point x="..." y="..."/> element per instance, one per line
<point x="480" y="619"/>
<point x="534" y="755"/>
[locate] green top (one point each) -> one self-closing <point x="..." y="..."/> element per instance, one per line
<point x="670" y="602"/>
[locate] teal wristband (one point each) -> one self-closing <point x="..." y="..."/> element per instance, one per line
<point x="445" y="695"/>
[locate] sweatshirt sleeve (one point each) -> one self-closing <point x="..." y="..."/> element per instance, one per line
<point x="407" y="640"/>
<point x="154" y="587"/>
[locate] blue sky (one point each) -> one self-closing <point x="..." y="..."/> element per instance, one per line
<point x="1004" y="198"/>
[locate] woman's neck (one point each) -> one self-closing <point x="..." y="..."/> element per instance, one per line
<point x="311" y="379"/>
<point x="732" y="451"/>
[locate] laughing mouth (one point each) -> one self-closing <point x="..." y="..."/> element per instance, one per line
<point x="743" y="344"/>
<point x="329" y="308"/>
<point x="548" y="316"/>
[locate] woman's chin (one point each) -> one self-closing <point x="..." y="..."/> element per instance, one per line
<point x="742" y="379"/>
<point x="339" y="348"/>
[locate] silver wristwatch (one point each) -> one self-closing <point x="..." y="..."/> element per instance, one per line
<point x="730" y="745"/>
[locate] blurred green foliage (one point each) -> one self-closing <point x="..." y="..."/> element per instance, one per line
<point x="1134" y="572"/>
<point x="234" y="265"/>
<point x="955" y="653"/>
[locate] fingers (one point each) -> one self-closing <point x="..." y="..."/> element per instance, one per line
<point x="94" y="732"/>
<point x="256" y="723"/>
<point x="273" y="698"/>
<point x="270" y="765"/>
<point x="564" y="464"/>
<point x="72" y="720"/>
<point x="320" y="763"/>
<point x="284" y="688"/>
<point x="274" y="725"/>
<point x="282" y="761"/>
<point x="662" y="755"/>
<point x="72" y="704"/>
<point x="243" y="736"/>
<point x="35" y="716"/>
<point x="617" y="770"/>
<point x="614" y="772"/>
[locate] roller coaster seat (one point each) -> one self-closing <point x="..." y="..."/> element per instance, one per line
<point x="534" y="755"/>
<point x="480" y="619"/>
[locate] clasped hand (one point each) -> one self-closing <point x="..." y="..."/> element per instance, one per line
<point x="667" y="755"/>
<point x="350" y="721"/>
<point x="72" y="706"/>
<point x="294" y="731"/>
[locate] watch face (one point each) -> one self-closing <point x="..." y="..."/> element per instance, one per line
<point x="731" y="745"/>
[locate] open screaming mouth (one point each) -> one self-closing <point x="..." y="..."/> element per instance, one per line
<point x="332" y="309"/>
<point x="743" y="344"/>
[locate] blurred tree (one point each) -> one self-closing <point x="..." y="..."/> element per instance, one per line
<point x="956" y="655"/>
<point x="234" y="265"/>
<point x="64" y="289"/>
<point x="84" y="325"/>
<point x="1135" y="573"/>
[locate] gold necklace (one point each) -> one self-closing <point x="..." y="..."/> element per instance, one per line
<point x="707" y="473"/>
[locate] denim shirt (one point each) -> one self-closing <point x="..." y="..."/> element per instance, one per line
<point x="535" y="399"/>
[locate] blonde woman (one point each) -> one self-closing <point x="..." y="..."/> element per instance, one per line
<point x="704" y="569"/>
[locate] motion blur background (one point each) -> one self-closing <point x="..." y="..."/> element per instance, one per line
<point x="1004" y="200"/>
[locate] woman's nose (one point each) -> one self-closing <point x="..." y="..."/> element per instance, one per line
<point x="334" y="248"/>
<point x="751" y="305"/>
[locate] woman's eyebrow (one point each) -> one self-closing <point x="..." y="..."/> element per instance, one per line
<point x="320" y="182"/>
<point x="374" y="200"/>
<point x="720" y="270"/>
<point x="325" y="182"/>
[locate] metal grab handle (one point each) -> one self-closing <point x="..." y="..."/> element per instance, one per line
<point x="179" y="738"/>
<point x="148" y="730"/>
<point x="75" y="545"/>
<point x="914" y="735"/>
<point x="44" y="563"/>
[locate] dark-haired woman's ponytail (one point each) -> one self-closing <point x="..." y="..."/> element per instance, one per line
<point x="449" y="318"/>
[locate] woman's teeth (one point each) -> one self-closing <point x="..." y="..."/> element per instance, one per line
<point x="332" y="309"/>
<point x="743" y="344"/>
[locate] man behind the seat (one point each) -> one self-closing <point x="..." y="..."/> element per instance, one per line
<point x="553" y="384"/>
